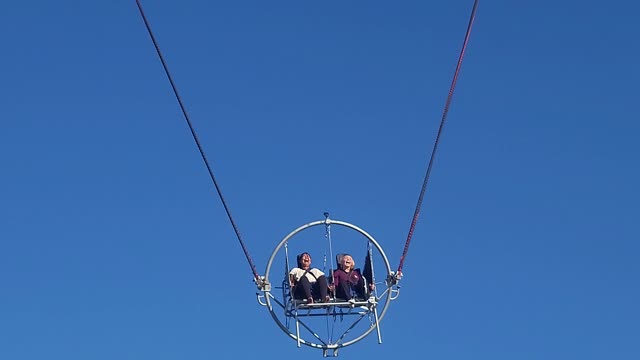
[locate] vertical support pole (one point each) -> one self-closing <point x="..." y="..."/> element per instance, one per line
<point x="297" y="324"/>
<point x="375" y="313"/>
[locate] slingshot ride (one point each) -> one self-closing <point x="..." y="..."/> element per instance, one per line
<point x="347" y="321"/>
<point x="337" y="322"/>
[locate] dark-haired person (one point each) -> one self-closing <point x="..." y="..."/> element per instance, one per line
<point x="308" y="283"/>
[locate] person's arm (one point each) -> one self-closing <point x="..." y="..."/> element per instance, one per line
<point x="292" y="277"/>
<point x="337" y="277"/>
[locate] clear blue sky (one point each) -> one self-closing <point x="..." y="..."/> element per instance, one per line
<point x="114" y="245"/>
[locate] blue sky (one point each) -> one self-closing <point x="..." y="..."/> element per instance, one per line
<point x="114" y="245"/>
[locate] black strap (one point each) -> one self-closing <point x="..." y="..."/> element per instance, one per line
<point x="309" y="272"/>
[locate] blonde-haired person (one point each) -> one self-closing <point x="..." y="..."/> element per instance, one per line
<point x="348" y="282"/>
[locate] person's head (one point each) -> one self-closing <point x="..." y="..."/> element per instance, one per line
<point x="347" y="263"/>
<point x="304" y="260"/>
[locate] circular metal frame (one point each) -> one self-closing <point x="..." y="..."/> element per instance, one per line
<point x="388" y="292"/>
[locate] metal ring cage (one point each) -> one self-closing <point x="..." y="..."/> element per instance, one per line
<point x="384" y="297"/>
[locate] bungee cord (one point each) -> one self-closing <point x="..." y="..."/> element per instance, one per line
<point x="435" y="145"/>
<point x="195" y="138"/>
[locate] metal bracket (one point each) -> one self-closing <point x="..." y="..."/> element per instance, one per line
<point x="261" y="300"/>
<point x="262" y="284"/>
<point x="394" y="278"/>
<point x="334" y="352"/>
<point x="327" y="221"/>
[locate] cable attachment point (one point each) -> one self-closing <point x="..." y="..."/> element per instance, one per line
<point x="262" y="284"/>
<point x="394" y="278"/>
<point x="327" y="221"/>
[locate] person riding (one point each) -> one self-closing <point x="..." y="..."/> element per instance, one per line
<point x="308" y="283"/>
<point x="348" y="282"/>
